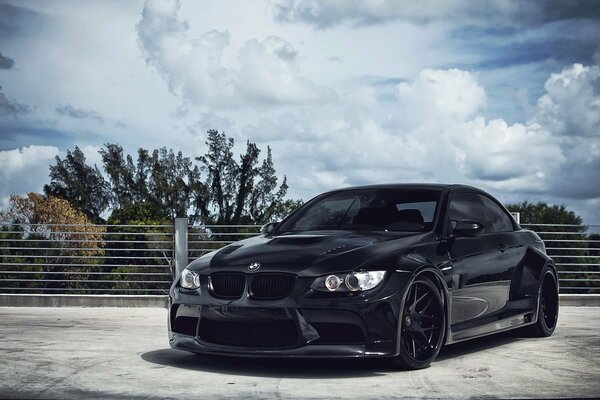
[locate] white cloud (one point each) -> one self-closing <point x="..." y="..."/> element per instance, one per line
<point x="267" y="74"/>
<point x="440" y="96"/>
<point x="570" y="110"/>
<point x="508" y="157"/>
<point x="438" y="134"/>
<point x="24" y="170"/>
<point x="571" y="105"/>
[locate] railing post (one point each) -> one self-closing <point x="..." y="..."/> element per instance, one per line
<point x="517" y="216"/>
<point x="181" y="245"/>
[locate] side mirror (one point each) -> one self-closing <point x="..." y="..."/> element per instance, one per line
<point x="268" y="228"/>
<point x="468" y="228"/>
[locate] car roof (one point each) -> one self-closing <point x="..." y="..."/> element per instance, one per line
<point x="425" y="186"/>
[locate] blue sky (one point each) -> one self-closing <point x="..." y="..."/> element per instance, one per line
<point x="504" y="95"/>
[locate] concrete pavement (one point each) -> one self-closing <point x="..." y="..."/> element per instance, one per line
<point x="124" y="353"/>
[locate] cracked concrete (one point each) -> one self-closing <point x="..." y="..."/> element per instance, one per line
<point x="118" y="353"/>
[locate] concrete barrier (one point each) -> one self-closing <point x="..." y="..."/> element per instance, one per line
<point x="76" y="300"/>
<point x="579" y="300"/>
<point x="108" y="300"/>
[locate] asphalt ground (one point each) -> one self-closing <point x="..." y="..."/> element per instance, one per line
<point x="115" y="353"/>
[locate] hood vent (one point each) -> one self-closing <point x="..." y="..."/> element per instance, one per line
<point x="229" y="249"/>
<point x="298" y="239"/>
<point x="335" y="250"/>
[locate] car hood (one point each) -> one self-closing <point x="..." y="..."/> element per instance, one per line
<point x="312" y="253"/>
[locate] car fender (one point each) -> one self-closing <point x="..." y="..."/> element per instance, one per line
<point x="540" y="259"/>
<point x="528" y="273"/>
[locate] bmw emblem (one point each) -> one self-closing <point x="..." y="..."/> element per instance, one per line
<point x="254" y="266"/>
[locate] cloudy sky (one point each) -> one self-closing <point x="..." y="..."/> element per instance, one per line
<point x="504" y="95"/>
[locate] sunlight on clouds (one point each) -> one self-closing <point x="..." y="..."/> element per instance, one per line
<point x="440" y="96"/>
<point x="571" y="105"/>
<point x="193" y="68"/>
<point x="517" y="156"/>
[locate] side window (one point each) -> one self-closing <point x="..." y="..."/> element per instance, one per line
<point x="466" y="207"/>
<point x="497" y="220"/>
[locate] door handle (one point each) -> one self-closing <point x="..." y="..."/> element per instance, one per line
<point x="502" y="247"/>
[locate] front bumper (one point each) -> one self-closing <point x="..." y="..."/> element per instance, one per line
<point x="304" y="324"/>
<point x="187" y="343"/>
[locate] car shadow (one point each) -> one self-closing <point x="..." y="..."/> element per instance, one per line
<point x="305" y="368"/>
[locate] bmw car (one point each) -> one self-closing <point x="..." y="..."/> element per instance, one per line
<point x="386" y="271"/>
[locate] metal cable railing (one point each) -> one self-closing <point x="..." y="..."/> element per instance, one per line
<point x="91" y="259"/>
<point x="139" y="259"/>
<point x="575" y="250"/>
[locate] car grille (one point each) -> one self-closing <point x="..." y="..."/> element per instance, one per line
<point x="272" y="286"/>
<point x="249" y="334"/>
<point x="262" y="286"/>
<point x="228" y="285"/>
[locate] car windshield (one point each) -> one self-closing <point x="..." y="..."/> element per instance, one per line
<point x="411" y="210"/>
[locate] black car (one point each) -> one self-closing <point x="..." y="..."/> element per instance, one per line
<point x="391" y="271"/>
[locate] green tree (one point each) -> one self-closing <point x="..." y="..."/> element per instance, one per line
<point x="163" y="184"/>
<point x="140" y="185"/>
<point x="80" y="184"/>
<point x="169" y="182"/>
<point x="543" y="213"/>
<point x="238" y="192"/>
<point x="266" y="200"/>
<point x="120" y="173"/>
<point x="145" y="242"/>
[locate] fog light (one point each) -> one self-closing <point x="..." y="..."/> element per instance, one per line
<point x="332" y="282"/>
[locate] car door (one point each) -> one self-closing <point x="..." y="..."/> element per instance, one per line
<point x="480" y="264"/>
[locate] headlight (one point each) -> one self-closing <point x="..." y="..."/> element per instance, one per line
<point x="189" y="279"/>
<point x="352" y="282"/>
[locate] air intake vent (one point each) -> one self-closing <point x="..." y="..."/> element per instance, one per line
<point x="337" y="333"/>
<point x="275" y="334"/>
<point x="272" y="286"/>
<point x="227" y="285"/>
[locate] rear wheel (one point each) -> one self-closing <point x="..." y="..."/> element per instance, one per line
<point x="423" y="324"/>
<point x="547" y="306"/>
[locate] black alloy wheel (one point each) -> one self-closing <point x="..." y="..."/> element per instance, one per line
<point x="423" y="324"/>
<point x="548" y="306"/>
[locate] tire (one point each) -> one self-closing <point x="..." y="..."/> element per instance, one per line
<point x="547" y="306"/>
<point x="423" y="325"/>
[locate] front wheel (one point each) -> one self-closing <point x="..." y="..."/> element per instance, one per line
<point x="423" y="324"/>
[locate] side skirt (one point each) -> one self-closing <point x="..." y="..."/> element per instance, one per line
<point x="501" y="322"/>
